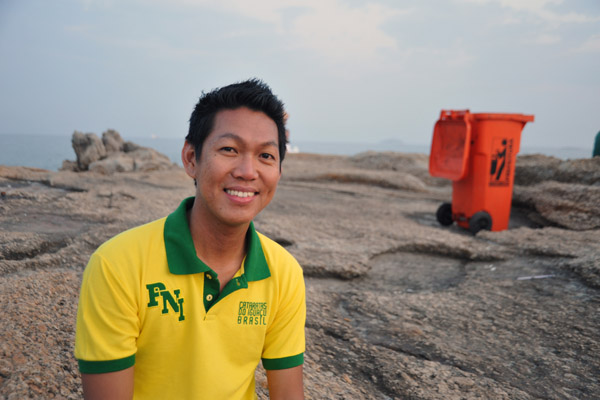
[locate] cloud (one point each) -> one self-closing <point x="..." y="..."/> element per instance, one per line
<point x="266" y="10"/>
<point x="546" y="39"/>
<point x="534" y="6"/>
<point x="539" y="9"/>
<point x="332" y="29"/>
<point x="154" y="46"/>
<point x="340" y="32"/>
<point x="453" y="56"/>
<point x="591" y="45"/>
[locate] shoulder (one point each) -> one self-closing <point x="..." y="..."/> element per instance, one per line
<point x="140" y="236"/>
<point x="280" y="260"/>
<point x="124" y="254"/>
<point x="120" y="261"/>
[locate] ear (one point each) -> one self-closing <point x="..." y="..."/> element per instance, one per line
<point x="188" y="157"/>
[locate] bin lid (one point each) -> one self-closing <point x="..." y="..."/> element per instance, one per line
<point x="451" y="145"/>
<point x="498" y="116"/>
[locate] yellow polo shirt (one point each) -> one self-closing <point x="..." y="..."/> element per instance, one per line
<point x="147" y="300"/>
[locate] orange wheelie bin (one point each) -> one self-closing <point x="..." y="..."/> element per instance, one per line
<point x="478" y="153"/>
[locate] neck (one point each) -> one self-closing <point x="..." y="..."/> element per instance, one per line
<point x="222" y="247"/>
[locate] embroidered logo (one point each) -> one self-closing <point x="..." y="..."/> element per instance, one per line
<point x="252" y="313"/>
<point x="158" y="289"/>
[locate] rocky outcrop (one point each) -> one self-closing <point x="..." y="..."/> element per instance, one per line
<point x="398" y="307"/>
<point x="88" y="148"/>
<point x="572" y="206"/>
<point x="533" y="169"/>
<point x="142" y="159"/>
<point x="112" y="155"/>
<point x="116" y="163"/>
<point x="562" y="193"/>
<point x="112" y="141"/>
<point x="413" y="164"/>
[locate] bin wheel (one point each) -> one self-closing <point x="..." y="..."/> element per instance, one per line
<point x="480" y="220"/>
<point x="444" y="214"/>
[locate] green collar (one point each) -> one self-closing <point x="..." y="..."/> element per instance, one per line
<point x="181" y="253"/>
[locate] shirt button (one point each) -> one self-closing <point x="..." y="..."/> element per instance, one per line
<point x="209" y="297"/>
<point x="209" y="276"/>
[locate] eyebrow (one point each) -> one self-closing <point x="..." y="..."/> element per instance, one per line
<point x="237" y="138"/>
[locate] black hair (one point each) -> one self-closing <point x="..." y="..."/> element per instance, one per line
<point x="253" y="94"/>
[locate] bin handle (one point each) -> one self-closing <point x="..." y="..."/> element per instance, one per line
<point x="455" y="114"/>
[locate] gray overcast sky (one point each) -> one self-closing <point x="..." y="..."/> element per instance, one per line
<point x="348" y="70"/>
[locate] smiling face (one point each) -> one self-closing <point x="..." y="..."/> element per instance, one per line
<point x="239" y="167"/>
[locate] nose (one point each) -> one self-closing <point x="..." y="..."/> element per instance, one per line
<point x="245" y="168"/>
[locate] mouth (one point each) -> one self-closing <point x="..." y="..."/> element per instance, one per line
<point x="240" y="194"/>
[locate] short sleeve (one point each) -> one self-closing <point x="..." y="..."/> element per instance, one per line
<point x="285" y="341"/>
<point x="107" y="319"/>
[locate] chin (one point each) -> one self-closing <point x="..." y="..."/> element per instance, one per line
<point x="238" y="220"/>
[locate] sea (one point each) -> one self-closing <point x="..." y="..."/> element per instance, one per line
<point x="49" y="151"/>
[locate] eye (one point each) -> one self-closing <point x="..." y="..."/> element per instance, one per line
<point x="267" y="156"/>
<point x="227" y="149"/>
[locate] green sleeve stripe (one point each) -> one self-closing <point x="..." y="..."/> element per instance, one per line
<point x="283" y="363"/>
<point x="100" y="367"/>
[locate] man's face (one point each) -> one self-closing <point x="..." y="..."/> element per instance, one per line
<point x="239" y="167"/>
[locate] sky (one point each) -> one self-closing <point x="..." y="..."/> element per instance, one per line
<point x="347" y="70"/>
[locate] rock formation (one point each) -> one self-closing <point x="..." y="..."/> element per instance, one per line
<point x="112" y="154"/>
<point x="113" y="143"/>
<point x="398" y="307"/>
<point x="563" y="193"/>
<point x="88" y="149"/>
<point x="532" y="169"/>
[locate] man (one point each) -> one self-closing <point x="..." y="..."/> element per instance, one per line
<point x="186" y="306"/>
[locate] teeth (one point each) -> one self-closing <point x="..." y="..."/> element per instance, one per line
<point x="239" y="194"/>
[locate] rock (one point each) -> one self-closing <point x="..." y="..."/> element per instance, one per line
<point x="384" y="179"/>
<point x="143" y="159"/>
<point x="532" y="169"/>
<point x="583" y="171"/>
<point x="112" y="155"/>
<point x="572" y="206"/>
<point x="408" y="163"/>
<point x="23" y="173"/>
<point x="587" y="268"/>
<point x="116" y="162"/>
<point x="398" y="307"/>
<point x="112" y="141"/>
<point x="147" y="159"/>
<point x="391" y="161"/>
<point x="68" y="165"/>
<point x="88" y="148"/>
<point x="128" y="147"/>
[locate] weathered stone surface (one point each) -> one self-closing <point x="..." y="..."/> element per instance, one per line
<point x="88" y="148"/>
<point x="572" y="206"/>
<point x="398" y="307"/>
<point x="146" y="159"/>
<point x="414" y="164"/>
<point x="113" y="155"/>
<point x="68" y="165"/>
<point x="143" y="159"/>
<point x="112" y="141"/>
<point x="536" y="168"/>
<point x="128" y="147"/>
<point x="114" y="163"/>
